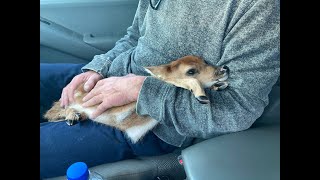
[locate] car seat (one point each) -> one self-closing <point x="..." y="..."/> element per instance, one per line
<point x="167" y="167"/>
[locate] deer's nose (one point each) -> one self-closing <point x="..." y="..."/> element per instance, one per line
<point x="225" y="69"/>
<point x="222" y="70"/>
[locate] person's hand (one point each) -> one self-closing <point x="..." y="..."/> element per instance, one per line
<point x="90" y="78"/>
<point x="113" y="91"/>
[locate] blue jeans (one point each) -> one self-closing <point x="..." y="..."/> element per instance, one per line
<point x="87" y="141"/>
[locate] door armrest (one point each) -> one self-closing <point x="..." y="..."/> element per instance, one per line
<point x="247" y="155"/>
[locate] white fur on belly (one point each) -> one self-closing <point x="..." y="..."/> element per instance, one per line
<point x="137" y="132"/>
<point x="103" y="118"/>
<point x="122" y="115"/>
<point x="79" y="108"/>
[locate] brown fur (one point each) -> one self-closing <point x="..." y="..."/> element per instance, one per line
<point x="124" y="117"/>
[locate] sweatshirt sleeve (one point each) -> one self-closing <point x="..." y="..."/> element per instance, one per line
<point x="101" y="63"/>
<point x="251" y="51"/>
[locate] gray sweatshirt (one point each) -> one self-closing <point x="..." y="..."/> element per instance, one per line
<point x="242" y="34"/>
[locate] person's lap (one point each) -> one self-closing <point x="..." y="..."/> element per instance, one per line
<point x="88" y="141"/>
<point x="53" y="78"/>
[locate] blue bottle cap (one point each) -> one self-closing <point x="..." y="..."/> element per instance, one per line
<point x="78" y="171"/>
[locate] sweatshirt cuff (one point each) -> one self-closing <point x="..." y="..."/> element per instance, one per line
<point x="98" y="65"/>
<point x="152" y="98"/>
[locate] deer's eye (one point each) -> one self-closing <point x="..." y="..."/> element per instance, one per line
<point x="191" y="72"/>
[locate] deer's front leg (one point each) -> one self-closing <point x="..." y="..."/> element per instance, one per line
<point x="73" y="116"/>
<point x="220" y="85"/>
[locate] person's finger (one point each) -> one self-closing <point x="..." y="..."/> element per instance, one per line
<point x="61" y="103"/>
<point x="99" y="83"/>
<point x="88" y="85"/>
<point x="100" y="109"/>
<point x="93" y="101"/>
<point x="70" y="93"/>
<point x="91" y="83"/>
<point x="109" y="102"/>
<point x="95" y="91"/>
<point x="64" y="98"/>
<point x="107" y="82"/>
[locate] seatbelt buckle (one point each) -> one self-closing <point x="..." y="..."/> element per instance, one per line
<point x="180" y="160"/>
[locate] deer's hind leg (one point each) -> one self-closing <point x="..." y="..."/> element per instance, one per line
<point x="55" y="113"/>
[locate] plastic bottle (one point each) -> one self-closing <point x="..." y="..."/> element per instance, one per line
<point x="80" y="171"/>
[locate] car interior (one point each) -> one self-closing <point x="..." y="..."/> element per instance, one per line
<point x="73" y="31"/>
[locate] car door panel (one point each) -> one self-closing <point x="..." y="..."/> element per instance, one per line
<point x="83" y="28"/>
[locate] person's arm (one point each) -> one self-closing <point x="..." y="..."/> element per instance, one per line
<point x="102" y="62"/>
<point x="251" y="51"/>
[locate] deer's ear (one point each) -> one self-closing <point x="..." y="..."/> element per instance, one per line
<point x="158" y="70"/>
<point x="151" y="70"/>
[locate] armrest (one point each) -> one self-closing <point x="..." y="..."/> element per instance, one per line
<point x="247" y="155"/>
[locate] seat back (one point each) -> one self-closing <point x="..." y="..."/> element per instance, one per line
<point x="271" y="114"/>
